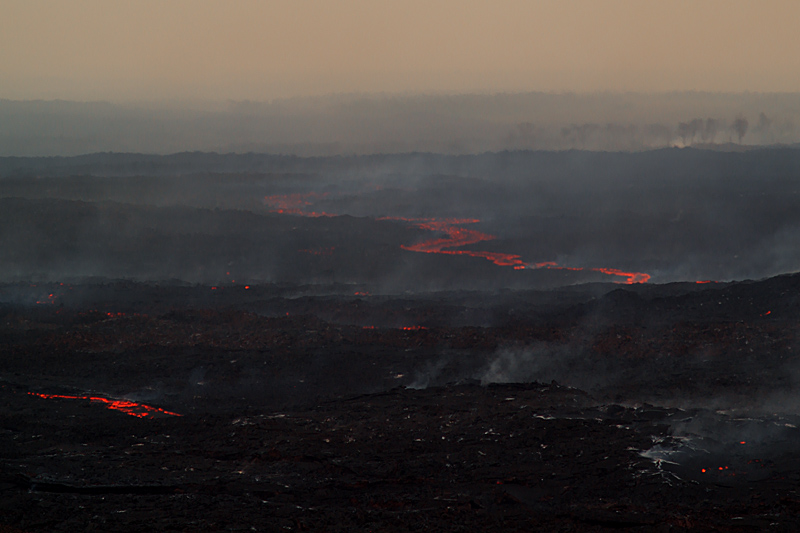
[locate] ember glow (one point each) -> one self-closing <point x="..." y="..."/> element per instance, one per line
<point x="455" y="236"/>
<point x="295" y="204"/>
<point x="51" y="299"/>
<point x="139" y="410"/>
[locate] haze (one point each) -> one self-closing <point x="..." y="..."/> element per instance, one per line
<point x="203" y="50"/>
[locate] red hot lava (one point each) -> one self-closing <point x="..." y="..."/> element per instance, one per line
<point x="139" y="410"/>
<point x="455" y="237"/>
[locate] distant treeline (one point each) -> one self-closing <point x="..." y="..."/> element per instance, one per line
<point x="370" y="124"/>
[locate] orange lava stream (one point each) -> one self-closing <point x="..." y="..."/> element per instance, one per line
<point x="455" y="236"/>
<point x="630" y="277"/>
<point x="139" y="410"/>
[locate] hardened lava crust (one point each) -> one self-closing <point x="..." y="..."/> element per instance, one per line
<point x="167" y="407"/>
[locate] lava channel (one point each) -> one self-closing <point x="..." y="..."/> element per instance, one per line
<point x="455" y="236"/>
<point x="139" y="410"/>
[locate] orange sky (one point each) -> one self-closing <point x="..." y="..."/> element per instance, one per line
<point x="246" y="49"/>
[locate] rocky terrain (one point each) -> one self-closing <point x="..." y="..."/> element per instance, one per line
<point x="648" y="407"/>
<point x="513" y="341"/>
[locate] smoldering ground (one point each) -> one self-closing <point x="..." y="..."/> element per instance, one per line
<point x="570" y="365"/>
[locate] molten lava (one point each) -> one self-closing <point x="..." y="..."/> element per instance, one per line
<point x="455" y="237"/>
<point x="139" y="410"/>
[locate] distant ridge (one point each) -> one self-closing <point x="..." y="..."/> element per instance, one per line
<point x="703" y="162"/>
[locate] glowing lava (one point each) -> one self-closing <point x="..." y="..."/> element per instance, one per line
<point x="295" y="204"/>
<point x="51" y="299"/>
<point x="139" y="410"/>
<point x="630" y="277"/>
<point x="456" y="236"/>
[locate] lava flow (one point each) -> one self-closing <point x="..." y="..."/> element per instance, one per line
<point x="455" y="237"/>
<point x="139" y="410"/>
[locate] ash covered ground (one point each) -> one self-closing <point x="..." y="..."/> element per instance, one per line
<point x="511" y="341"/>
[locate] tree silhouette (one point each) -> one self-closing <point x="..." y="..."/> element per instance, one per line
<point x="740" y="127"/>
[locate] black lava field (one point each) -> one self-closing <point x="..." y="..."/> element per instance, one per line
<point x="514" y="341"/>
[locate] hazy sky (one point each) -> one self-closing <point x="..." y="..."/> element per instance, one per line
<point x="258" y="50"/>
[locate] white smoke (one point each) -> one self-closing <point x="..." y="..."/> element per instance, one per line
<point x="568" y="364"/>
